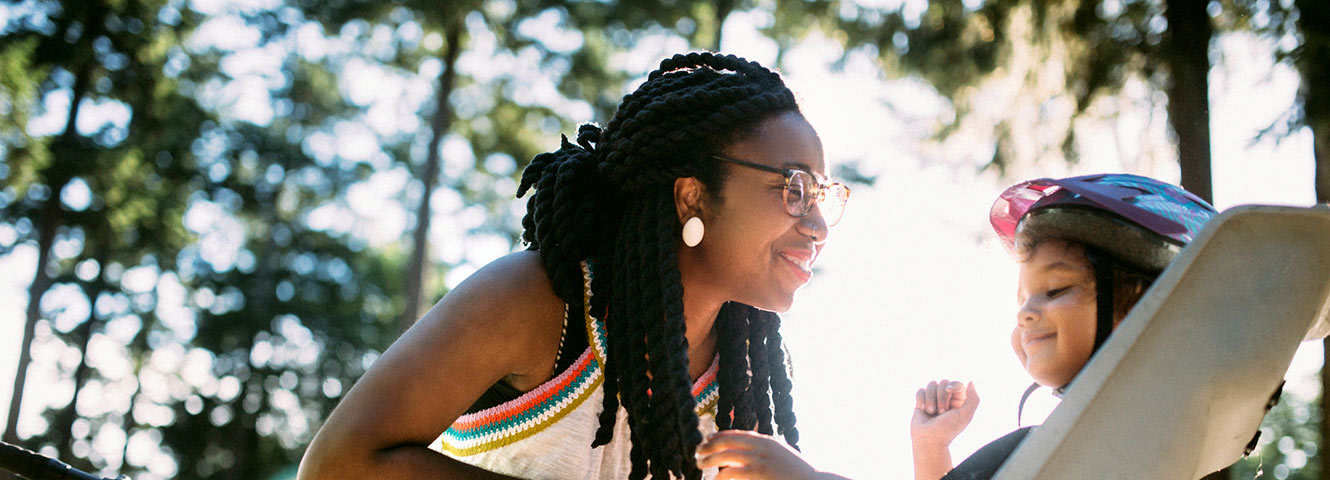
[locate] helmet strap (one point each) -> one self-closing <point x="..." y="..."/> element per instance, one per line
<point x="1104" y="273"/>
<point x="1020" y="408"/>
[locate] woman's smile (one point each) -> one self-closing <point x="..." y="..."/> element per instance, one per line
<point x="802" y="261"/>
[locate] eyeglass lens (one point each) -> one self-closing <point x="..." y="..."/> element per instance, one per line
<point x="802" y="192"/>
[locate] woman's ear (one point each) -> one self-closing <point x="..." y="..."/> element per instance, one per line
<point x="688" y="197"/>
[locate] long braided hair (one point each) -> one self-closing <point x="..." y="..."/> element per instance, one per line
<point x="608" y="200"/>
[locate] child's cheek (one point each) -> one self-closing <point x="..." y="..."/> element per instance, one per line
<point x="1016" y="345"/>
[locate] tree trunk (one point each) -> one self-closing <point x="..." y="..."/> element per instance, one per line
<point x="62" y="428"/>
<point x="64" y="420"/>
<point x="127" y="422"/>
<point x="40" y="283"/>
<point x="1321" y="134"/>
<point x="723" y="10"/>
<point x="1314" y="65"/>
<point x="1313" y="62"/>
<point x="440" y="124"/>
<point x="1187" y="51"/>
<point x="1324" y="432"/>
<point x="57" y="176"/>
<point x="242" y="437"/>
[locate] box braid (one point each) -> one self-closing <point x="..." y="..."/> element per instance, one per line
<point x="781" y="385"/>
<point x="608" y="199"/>
<point x="748" y="391"/>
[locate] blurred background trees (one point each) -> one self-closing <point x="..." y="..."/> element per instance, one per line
<point x="234" y="207"/>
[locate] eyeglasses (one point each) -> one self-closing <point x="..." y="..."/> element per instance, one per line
<point x="803" y="190"/>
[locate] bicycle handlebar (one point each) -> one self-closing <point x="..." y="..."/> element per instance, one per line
<point x="35" y="466"/>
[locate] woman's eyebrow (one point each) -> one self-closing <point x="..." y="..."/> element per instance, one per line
<point x="805" y="167"/>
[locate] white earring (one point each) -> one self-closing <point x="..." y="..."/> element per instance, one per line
<point x="693" y="231"/>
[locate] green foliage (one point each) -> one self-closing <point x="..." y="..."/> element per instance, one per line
<point x="966" y="50"/>
<point x="1287" y="448"/>
<point x="950" y="44"/>
<point x="109" y="191"/>
<point x="20" y="81"/>
<point x="1096" y="48"/>
<point x="1045" y="53"/>
<point x="201" y="397"/>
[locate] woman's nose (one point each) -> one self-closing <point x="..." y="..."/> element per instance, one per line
<point x="814" y="225"/>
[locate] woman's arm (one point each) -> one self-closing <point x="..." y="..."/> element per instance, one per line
<point x="502" y="323"/>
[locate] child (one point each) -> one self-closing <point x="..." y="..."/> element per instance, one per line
<point x="1088" y="247"/>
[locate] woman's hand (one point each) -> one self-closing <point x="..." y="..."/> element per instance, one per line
<point x="941" y="411"/>
<point x="754" y="456"/>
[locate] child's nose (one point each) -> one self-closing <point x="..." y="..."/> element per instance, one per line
<point x="1027" y="313"/>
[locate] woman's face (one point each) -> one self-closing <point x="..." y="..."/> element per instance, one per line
<point x="754" y="250"/>
<point x="1055" y="322"/>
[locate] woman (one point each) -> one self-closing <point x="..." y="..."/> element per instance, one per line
<point x="640" y="316"/>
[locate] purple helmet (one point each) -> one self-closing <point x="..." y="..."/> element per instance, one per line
<point x="1141" y="221"/>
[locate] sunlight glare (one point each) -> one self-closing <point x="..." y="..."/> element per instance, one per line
<point x="548" y="29"/>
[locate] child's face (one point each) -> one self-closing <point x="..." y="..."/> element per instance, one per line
<point x="1055" y="323"/>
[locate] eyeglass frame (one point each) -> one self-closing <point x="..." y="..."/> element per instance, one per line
<point x="788" y="173"/>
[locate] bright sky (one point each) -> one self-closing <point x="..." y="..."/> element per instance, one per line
<point x="911" y="286"/>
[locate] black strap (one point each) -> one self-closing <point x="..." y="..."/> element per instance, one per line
<point x="1104" y="271"/>
<point x="574" y="339"/>
<point x="1025" y="396"/>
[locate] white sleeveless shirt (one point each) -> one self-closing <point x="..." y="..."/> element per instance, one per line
<point x="546" y="433"/>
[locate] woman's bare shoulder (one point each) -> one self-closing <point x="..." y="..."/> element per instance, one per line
<point x="507" y="308"/>
<point x="501" y="323"/>
<point x="514" y="282"/>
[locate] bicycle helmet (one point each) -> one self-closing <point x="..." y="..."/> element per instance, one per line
<point x="1140" y="221"/>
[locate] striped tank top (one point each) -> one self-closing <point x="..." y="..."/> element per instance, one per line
<point x="546" y="433"/>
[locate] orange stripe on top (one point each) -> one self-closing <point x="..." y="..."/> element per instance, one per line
<point x="523" y="403"/>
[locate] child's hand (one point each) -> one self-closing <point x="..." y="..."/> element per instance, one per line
<point x="754" y="456"/>
<point x="942" y="410"/>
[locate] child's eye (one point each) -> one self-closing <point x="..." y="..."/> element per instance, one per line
<point x="1057" y="291"/>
